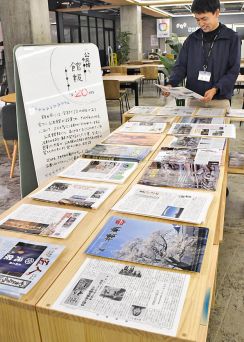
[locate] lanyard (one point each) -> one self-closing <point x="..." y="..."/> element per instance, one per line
<point x="206" y="58"/>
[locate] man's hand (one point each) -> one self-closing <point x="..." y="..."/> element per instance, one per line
<point x="209" y="94"/>
<point x="166" y="93"/>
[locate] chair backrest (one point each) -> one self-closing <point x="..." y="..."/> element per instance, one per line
<point x="118" y="69"/>
<point x="150" y="72"/>
<point x="111" y="89"/>
<point x="135" y="62"/>
<point x="9" y="122"/>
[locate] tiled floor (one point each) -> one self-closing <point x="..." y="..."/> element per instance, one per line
<point x="227" y="316"/>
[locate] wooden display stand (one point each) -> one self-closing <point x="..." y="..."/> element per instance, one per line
<point x="59" y="326"/>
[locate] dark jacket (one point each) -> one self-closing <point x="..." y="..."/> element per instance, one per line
<point x="224" y="63"/>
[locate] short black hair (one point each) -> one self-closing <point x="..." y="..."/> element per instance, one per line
<point x="202" y="6"/>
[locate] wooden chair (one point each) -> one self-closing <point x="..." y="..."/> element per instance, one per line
<point x="150" y="74"/>
<point x="9" y="130"/>
<point x="118" y="69"/>
<point x="114" y="93"/>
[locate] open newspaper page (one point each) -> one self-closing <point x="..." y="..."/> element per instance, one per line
<point x="86" y="195"/>
<point x="23" y="263"/>
<point x="159" y="244"/>
<point x="200" y="120"/>
<point x="199" y="143"/>
<point x="118" y="152"/>
<point x="45" y="221"/>
<point x="211" y="112"/>
<point x="143" y="110"/>
<point x="142" y="127"/>
<point x="236" y="159"/>
<point x="140" y="139"/>
<point x="176" y="111"/>
<point x="131" y="296"/>
<point x="210" y="130"/>
<point x="171" y="204"/>
<point x="179" y="92"/>
<point x="103" y="170"/>
<point x="184" y="168"/>
<point x="236" y="112"/>
<point x="151" y="118"/>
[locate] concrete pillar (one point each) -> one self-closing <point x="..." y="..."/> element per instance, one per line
<point x="130" y="20"/>
<point x="23" y="22"/>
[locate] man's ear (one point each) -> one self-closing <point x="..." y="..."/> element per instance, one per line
<point x="217" y="13"/>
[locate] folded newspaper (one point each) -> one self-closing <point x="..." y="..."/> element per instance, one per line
<point x="126" y="295"/>
<point x="179" y="92"/>
<point x="207" y="130"/>
<point x="81" y="194"/>
<point x="171" y="204"/>
<point x="102" y="170"/>
<point x="23" y="263"/>
<point x="45" y="221"/>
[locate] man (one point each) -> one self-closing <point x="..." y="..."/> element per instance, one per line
<point x="209" y="58"/>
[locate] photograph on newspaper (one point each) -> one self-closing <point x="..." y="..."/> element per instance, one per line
<point x="210" y="130"/>
<point x="118" y="152"/>
<point x="45" y="221"/>
<point x="142" y="127"/>
<point x="176" y="111"/>
<point x="159" y="244"/>
<point x="211" y="112"/>
<point x="201" y="120"/>
<point x="198" y="143"/>
<point x="87" y="195"/>
<point x="103" y="170"/>
<point x="181" y="175"/>
<point x="151" y="118"/>
<point x="140" y="139"/>
<point x="122" y="294"/>
<point x="23" y="263"/>
<point x="172" y="204"/>
<point x="143" y="110"/>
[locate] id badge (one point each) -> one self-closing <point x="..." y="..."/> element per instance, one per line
<point x="204" y="76"/>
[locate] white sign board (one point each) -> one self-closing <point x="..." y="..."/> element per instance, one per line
<point x="64" y="103"/>
<point x="163" y="28"/>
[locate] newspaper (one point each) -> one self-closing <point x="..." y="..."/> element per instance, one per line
<point x="236" y="159"/>
<point x="151" y="118"/>
<point x="181" y="175"/>
<point x="44" y="221"/>
<point x="186" y="155"/>
<point x="171" y="204"/>
<point x="176" y="111"/>
<point x="211" y="112"/>
<point x="194" y="142"/>
<point x="126" y="295"/>
<point x="225" y="130"/>
<point x="87" y="195"/>
<point x="197" y="120"/>
<point x="236" y="112"/>
<point x="139" y="139"/>
<point x="23" y="263"/>
<point x="103" y="170"/>
<point x="143" y="110"/>
<point x="142" y="127"/>
<point x="118" y="152"/>
<point x="160" y="244"/>
<point x="179" y="92"/>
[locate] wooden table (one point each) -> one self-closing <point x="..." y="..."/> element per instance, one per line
<point x="59" y="326"/>
<point x="10" y="98"/>
<point x="128" y="81"/>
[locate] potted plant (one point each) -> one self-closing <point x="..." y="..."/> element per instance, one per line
<point x="123" y="48"/>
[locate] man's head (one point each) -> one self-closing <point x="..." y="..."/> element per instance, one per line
<point x="206" y="13"/>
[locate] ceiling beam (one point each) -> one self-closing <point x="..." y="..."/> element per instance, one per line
<point x="153" y="13"/>
<point x="85" y="8"/>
